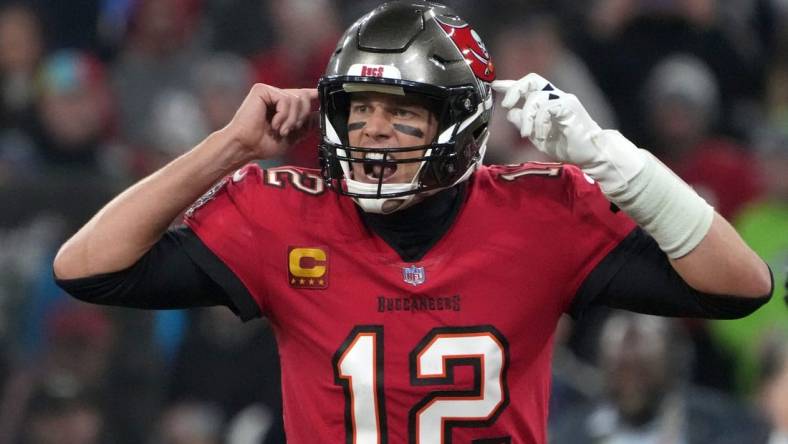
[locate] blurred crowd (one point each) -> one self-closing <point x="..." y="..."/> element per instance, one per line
<point x="95" y="94"/>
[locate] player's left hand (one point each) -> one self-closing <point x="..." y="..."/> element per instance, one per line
<point x="555" y="122"/>
<point x="559" y="126"/>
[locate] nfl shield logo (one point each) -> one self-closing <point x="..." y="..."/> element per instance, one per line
<point x="413" y="275"/>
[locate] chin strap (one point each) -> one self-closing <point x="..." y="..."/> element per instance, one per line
<point x="381" y="205"/>
<point x="384" y="206"/>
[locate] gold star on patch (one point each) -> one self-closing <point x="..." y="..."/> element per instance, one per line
<point x="301" y="281"/>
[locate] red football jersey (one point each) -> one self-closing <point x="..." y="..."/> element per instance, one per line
<point x="453" y="348"/>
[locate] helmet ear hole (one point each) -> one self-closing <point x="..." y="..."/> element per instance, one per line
<point x="466" y="104"/>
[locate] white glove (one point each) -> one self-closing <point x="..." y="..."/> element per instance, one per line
<point x="654" y="197"/>
<point x="559" y="126"/>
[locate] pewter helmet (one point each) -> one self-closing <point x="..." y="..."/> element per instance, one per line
<point x="408" y="48"/>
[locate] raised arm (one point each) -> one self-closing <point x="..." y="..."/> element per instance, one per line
<point x="703" y="248"/>
<point x="267" y="122"/>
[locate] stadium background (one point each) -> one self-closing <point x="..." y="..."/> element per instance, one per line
<point x="95" y="94"/>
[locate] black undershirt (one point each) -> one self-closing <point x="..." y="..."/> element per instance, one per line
<point x="413" y="231"/>
<point x="181" y="272"/>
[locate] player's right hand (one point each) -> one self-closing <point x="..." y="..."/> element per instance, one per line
<point x="271" y="119"/>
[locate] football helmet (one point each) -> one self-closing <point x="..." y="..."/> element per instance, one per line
<point x="407" y="48"/>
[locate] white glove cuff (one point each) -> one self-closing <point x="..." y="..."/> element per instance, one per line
<point x="665" y="206"/>
<point x="618" y="161"/>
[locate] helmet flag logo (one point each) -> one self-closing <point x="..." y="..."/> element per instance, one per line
<point x="472" y="48"/>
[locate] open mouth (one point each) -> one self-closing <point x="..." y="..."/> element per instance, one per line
<point x="374" y="171"/>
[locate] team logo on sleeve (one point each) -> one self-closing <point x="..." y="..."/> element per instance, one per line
<point x="413" y="275"/>
<point x="307" y="267"/>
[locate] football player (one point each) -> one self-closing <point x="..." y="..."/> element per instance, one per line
<point x="413" y="291"/>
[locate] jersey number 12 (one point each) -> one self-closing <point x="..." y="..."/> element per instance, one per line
<point x="358" y="368"/>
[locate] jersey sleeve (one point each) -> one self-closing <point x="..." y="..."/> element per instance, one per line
<point x="601" y="228"/>
<point x="597" y="227"/>
<point x="224" y="220"/>
<point x="637" y="276"/>
<point x="168" y="277"/>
